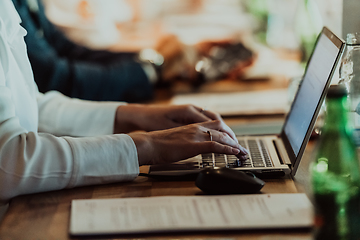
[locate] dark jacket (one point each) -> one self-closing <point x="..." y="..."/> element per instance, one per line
<point x="76" y="71"/>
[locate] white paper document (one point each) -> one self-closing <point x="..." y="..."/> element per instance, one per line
<point x="189" y="213"/>
<point x="274" y="101"/>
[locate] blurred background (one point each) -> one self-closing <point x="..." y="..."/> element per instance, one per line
<point x="278" y="23"/>
<point x="240" y="40"/>
<point x="288" y="24"/>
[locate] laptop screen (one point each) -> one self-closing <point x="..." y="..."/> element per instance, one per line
<point x="306" y="105"/>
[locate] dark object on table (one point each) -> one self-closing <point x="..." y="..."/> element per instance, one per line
<point x="228" y="181"/>
<point x="224" y="61"/>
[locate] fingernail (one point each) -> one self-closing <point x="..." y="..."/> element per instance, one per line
<point x="235" y="151"/>
<point x="242" y="157"/>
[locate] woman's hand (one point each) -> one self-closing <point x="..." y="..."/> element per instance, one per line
<point x="133" y="117"/>
<point x="187" y="141"/>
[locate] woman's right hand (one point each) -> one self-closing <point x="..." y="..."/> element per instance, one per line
<point x="183" y="142"/>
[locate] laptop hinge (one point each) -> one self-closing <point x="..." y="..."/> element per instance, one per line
<point x="280" y="148"/>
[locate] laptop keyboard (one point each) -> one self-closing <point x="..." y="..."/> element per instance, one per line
<point x="258" y="157"/>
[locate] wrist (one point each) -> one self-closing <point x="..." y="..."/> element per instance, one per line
<point x="144" y="147"/>
<point x="125" y="120"/>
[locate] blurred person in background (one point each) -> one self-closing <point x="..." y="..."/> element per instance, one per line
<point x="92" y="74"/>
<point x="182" y="33"/>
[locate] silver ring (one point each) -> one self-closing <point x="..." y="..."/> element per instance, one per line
<point x="210" y="135"/>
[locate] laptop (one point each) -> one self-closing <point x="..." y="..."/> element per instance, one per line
<point x="276" y="155"/>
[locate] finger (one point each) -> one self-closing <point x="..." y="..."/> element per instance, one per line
<point x="225" y="139"/>
<point x="212" y="115"/>
<point x="209" y="114"/>
<point x="221" y="126"/>
<point x="225" y="128"/>
<point x="216" y="147"/>
<point x="196" y="114"/>
<point x="221" y="137"/>
<point x="242" y="157"/>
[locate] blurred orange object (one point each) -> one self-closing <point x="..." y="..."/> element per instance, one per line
<point x="85" y="11"/>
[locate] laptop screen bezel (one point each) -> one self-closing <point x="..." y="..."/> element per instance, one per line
<point x="295" y="159"/>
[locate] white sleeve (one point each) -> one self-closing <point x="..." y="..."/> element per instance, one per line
<point x="61" y="115"/>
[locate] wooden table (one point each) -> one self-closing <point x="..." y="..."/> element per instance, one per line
<point x="45" y="216"/>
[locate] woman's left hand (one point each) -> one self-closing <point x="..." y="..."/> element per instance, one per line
<point x="133" y="117"/>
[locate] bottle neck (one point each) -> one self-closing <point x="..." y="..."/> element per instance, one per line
<point x="337" y="115"/>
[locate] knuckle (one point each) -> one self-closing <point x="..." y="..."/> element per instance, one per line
<point x="189" y="107"/>
<point x="227" y="148"/>
<point x="223" y="137"/>
<point x="217" y="123"/>
<point x="196" y="130"/>
<point x="213" y="145"/>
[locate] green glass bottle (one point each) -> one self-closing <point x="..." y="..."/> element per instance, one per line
<point x="335" y="174"/>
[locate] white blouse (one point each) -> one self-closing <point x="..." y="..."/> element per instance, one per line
<point x="49" y="141"/>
